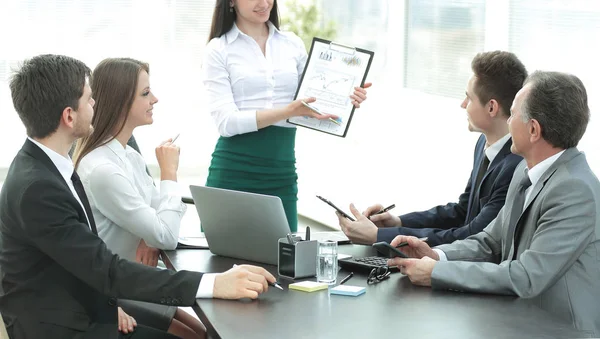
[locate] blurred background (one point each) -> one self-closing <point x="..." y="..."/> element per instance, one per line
<point x="407" y="145"/>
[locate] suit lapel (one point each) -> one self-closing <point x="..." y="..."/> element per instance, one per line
<point x="479" y="154"/>
<point x="498" y="159"/>
<point x="476" y="191"/>
<point x="564" y="158"/>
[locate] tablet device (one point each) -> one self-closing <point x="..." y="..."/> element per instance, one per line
<point x="336" y="208"/>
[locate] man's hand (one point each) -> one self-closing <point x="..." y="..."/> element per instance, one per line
<point x="416" y="248"/>
<point x="126" y="322"/>
<point x="386" y="219"/>
<point x="146" y="255"/>
<point x="243" y="281"/>
<point x="361" y="231"/>
<point x="417" y="270"/>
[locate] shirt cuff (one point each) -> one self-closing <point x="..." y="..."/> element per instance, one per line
<point x="245" y="122"/>
<point x="441" y="254"/>
<point x="169" y="187"/>
<point x="207" y="284"/>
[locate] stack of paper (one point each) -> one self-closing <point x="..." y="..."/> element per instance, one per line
<point x="352" y="291"/>
<point x="308" y="286"/>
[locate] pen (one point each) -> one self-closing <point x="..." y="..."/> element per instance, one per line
<point x="307" y="236"/>
<point x="347" y="278"/>
<point x="314" y="109"/>
<point x="386" y="209"/>
<point x="402" y="244"/>
<point x="177" y="136"/>
<point x="274" y="284"/>
<point x="290" y="239"/>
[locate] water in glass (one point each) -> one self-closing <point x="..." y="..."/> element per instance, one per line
<point x="327" y="265"/>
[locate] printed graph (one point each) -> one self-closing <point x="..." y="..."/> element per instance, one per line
<point x="330" y="86"/>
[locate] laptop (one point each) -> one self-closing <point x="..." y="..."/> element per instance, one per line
<point x="338" y="236"/>
<point x="239" y="224"/>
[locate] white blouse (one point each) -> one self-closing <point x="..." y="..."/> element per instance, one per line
<point x="240" y="79"/>
<point x="126" y="205"/>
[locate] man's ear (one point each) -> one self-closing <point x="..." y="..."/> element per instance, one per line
<point x="535" y="130"/>
<point x="68" y="118"/>
<point x="493" y="108"/>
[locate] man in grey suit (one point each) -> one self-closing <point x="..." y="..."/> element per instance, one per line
<point x="544" y="245"/>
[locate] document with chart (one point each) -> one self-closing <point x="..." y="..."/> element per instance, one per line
<point x="331" y="73"/>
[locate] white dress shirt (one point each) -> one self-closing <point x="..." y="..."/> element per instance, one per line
<point x="535" y="173"/>
<point x="128" y="207"/>
<point x="65" y="168"/>
<point x="492" y="151"/>
<point x="240" y="79"/>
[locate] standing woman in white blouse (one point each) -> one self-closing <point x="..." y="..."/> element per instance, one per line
<point x="133" y="217"/>
<point x="251" y="72"/>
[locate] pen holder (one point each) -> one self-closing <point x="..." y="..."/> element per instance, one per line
<point x="298" y="260"/>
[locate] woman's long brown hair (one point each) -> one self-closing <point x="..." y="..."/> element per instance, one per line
<point x="223" y="19"/>
<point x="114" y="84"/>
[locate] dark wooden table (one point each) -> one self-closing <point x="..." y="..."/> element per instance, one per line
<point x="393" y="308"/>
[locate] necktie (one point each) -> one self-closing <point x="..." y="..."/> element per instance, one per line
<point x="517" y="210"/>
<point x="482" y="169"/>
<point x="84" y="200"/>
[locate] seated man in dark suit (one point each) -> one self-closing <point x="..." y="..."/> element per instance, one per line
<point x="545" y="243"/>
<point x="59" y="279"/>
<point x="497" y="77"/>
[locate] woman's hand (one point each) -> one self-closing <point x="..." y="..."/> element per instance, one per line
<point x="146" y="255"/>
<point x="126" y="322"/>
<point x="297" y="109"/>
<point x="360" y="94"/>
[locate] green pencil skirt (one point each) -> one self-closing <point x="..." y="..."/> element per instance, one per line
<point x="262" y="162"/>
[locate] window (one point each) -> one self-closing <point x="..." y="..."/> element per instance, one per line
<point x="441" y="39"/>
<point x="407" y="145"/>
<point x="560" y="35"/>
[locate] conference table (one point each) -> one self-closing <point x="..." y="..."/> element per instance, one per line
<point x="392" y="308"/>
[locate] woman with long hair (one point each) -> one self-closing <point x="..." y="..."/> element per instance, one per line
<point x="251" y="72"/>
<point x="133" y="216"/>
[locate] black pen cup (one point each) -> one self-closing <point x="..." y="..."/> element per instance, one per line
<point x="298" y="260"/>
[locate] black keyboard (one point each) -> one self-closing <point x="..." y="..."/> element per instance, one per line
<point x="364" y="263"/>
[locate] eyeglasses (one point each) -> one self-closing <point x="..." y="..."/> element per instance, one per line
<point x="378" y="274"/>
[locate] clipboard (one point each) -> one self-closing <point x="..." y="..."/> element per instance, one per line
<point x="332" y="71"/>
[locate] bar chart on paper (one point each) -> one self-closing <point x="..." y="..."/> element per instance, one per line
<point x="331" y="74"/>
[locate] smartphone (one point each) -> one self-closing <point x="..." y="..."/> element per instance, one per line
<point x="336" y="208"/>
<point x="388" y="250"/>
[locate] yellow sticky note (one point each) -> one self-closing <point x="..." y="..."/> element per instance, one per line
<point x="308" y="286"/>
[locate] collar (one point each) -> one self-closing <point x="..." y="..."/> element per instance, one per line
<point x="536" y="172"/>
<point x="115" y="146"/>
<point x="492" y="151"/>
<point x="234" y="32"/>
<point x="63" y="165"/>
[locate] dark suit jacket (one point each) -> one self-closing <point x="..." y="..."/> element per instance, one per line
<point x="475" y="209"/>
<point x="59" y="279"/>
